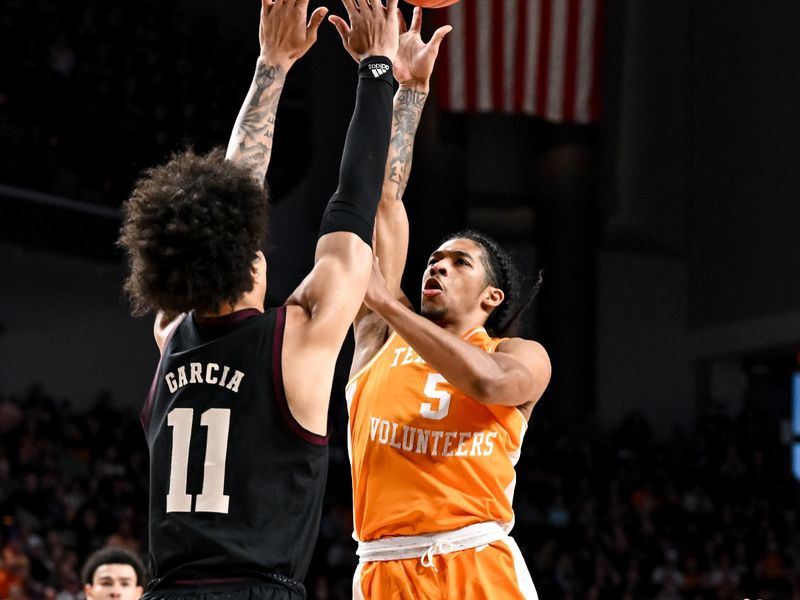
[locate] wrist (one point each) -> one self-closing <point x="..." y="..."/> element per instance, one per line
<point x="282" y="62"/>
<point x="390" y="308"/>
<point x="381" y="302"/>
<point x="376" y="67"/>
<point x="374" y="56"/>
<point x="415" y="86"/>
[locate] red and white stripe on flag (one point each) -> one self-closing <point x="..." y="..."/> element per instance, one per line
<point x="537" y="57"/>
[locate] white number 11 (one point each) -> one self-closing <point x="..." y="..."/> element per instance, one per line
<point x="212" y="498"/>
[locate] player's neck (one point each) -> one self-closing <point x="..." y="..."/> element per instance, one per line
<point x="461" y="327"/>
<point x="249" y="300"/>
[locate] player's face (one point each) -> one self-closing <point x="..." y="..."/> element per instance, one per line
<point x="113" y="582"/>
<point x="454" y="280"/>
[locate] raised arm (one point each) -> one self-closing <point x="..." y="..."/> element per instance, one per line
<point x="324" y="305"/>
<point x="284" y="37"/>
<point x="413" y="68"/>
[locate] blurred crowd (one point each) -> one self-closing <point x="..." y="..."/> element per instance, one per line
<point x="710" y="513"/>
<point x="91" y="92"/>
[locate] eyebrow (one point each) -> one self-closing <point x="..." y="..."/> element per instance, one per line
<point x="461" y="253"/>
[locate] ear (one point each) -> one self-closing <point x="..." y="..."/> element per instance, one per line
<point x="259" y="266"/>
<point x="492" y="297"/>
<point x="87" y="590"/>
<point x="139" y="590"/>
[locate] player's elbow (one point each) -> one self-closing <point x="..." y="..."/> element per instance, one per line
<point x="539" y="380"/>
<point x="494" y="388"/>
<point x="509" y="389"/>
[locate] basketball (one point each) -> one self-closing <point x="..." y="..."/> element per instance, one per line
<point x="432" y="3"/>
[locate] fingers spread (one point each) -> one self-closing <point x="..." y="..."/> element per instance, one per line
<point x="416" y="20"/>
<point x="351" y="7"/>
<point x="401" y="22"/>
<point x="314" y="22"/>
<point x="341" y="26"/>
<point x="438" y="36"/>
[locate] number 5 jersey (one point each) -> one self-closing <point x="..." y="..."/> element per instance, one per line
<point x="426" y="458"/>
<point x="236" y="484"/>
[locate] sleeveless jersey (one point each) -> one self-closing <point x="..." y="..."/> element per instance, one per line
<point x="236" y="484"/>
<point x="424" y="456"/>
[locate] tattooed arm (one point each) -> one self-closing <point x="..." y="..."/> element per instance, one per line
<point x="251" y="140"/>
<point x="391" y="224"/>
<point x="284" y="37"/>
<point x="413" y="68"/>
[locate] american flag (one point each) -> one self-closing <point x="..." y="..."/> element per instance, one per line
<point x="537" y="57"/>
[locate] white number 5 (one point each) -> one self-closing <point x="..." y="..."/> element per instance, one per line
<point x="442" y="396"/>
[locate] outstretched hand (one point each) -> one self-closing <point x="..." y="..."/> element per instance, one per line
<point x="415" y="58"/>
<point x="284" y="34"/>
<point x="374" y="29"/>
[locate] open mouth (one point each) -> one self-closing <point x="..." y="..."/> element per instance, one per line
<point x="432" y="287"/>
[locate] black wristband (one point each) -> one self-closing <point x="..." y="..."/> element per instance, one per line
<point x="376" y="67"/>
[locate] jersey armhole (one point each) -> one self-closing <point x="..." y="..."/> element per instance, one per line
<point x="147" y="408"/>
<point x="375" y="357"/>
<point x="277" y="385"/>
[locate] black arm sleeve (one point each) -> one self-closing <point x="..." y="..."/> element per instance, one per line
<point x="354" y="204"/>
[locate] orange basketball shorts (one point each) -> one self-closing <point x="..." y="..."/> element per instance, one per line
<point x="493" y="572"/>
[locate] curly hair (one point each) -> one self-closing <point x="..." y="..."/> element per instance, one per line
<point x="191" y="230"/>
<point x="502" y="273"/>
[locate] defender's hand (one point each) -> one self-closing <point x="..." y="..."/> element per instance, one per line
<point x="373" y="31"/>
<point x="283" y="33"/>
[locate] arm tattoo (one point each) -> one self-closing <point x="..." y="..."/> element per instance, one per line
<point x="407" y="111"/>
<point x="251" y="140"/>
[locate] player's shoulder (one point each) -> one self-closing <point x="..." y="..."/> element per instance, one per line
<point x="298" y="320"/>
<point x="523" y="349"/>
<point x="304" y="337"/>
<point x="164" y="327"/>
<point x="533" y="358"/>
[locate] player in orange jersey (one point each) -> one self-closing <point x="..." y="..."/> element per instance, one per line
<point x="438" y="402"/>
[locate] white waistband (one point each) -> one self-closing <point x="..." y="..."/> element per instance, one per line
<point x="425" y="546"/>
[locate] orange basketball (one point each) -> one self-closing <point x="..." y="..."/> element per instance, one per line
<point x="432" y="3"/>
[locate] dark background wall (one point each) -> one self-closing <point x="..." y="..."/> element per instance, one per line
<point x="698" y="254"/>
<point x="746" y="140"/>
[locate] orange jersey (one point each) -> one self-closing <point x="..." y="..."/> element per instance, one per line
<point x="424" y="456"/>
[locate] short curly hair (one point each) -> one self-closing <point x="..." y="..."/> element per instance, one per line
<point x="502" y="273"/>
<point x="191" y="230"/>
